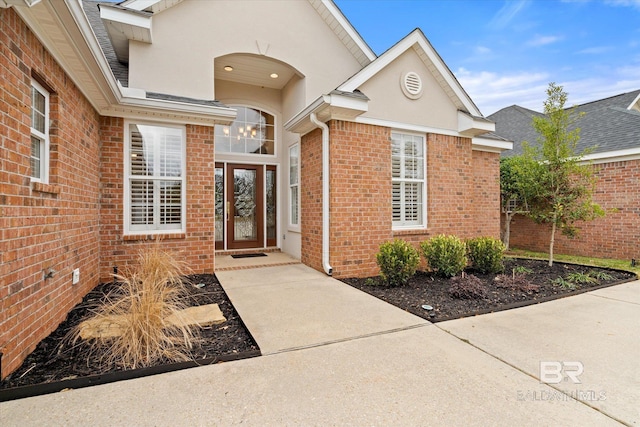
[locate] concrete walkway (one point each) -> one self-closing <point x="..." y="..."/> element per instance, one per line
<point x="337" y="356"/>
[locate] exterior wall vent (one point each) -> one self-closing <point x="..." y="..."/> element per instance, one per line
<point x="411" y="85"/>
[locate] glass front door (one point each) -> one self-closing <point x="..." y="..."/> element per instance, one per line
<point x="242" y="199"/>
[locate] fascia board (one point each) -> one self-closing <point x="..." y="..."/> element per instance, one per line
<point x="170" y="111"/>
<point x="635" y="104"/>
<point x="490" y="145"/>
<point x="348" y="102"/>
<point x="353" y="34"/>
<point x="474" y="126"/>
<point x="416" y="37"/>
<point x="297" y="120"/>
<point x="613" y="156"/>
<point x="374" y="68"/>
<point x="128" y="21"/>
<point x="327" y="107"/>
<point x="140" y="4"/>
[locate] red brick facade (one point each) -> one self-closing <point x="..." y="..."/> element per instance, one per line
<point x="197" y="244"/>
<point x="462" y="194"/>
<point x="617" y="235"/>
<point x="43" y="226"/>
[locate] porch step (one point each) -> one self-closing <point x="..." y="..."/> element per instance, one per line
<point x="274" y="257"/>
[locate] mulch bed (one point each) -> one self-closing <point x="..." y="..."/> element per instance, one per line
<point x="54" y="359"/>
<point x="428" y="289"/>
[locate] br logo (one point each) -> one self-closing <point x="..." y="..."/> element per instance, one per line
<point x="556" y="372"/>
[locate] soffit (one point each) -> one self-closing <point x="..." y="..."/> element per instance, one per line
<point x="343" y="29"/>
<point x="254" y="70"/>
<point x="58" y="31"/>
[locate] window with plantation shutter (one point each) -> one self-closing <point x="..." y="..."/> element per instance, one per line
<point x="155" y="188"/>
<point x="408" y="180"/>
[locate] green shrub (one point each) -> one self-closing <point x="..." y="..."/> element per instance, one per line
<point x="446" y="255"/>
<point x="486" y="254"/>
<point x="398" y="261"/>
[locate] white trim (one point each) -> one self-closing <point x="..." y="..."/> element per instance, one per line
<point x="346" y="25"/>
<point x="293" y="226"/>
<point x="44" y="137"/>
<point x="613" y="156"/>
<point x="416" y="37"/>
<point x="635" y="104"/>
<point x="405" y="127"/>
<point x="423" y="181"/>
<point x="128" y="177"/>
<point x="490" y="145"/>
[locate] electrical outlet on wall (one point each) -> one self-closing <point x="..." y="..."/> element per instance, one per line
<point x="76" y="276"/>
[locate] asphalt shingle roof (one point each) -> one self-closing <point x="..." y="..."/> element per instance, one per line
<point x="607" y="125"/>
<point x="120" y="71"/>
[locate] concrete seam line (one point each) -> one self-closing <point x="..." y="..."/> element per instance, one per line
<point x="466" y="341"/>
<point x="614" y="299"/>
<point x="341" y="340"/>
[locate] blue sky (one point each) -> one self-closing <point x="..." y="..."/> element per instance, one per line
<point x="505" y="52"/>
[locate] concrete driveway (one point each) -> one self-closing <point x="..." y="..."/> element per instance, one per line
<point x="337" y="356"/>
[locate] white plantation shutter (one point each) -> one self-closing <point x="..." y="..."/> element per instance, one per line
<point x="408" y="179"/>
<point x="156" y="178"/>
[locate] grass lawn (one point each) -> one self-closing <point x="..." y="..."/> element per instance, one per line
<point x="619" y="264"/>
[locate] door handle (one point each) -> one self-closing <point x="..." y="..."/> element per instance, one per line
<point x="228" y="208"/>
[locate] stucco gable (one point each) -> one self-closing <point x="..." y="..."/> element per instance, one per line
<point x="417" y="41"/>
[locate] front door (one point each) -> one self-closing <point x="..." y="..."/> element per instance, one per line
<point x="242" y="198"/>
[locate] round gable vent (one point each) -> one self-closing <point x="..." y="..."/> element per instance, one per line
<point x="411" y="84"/>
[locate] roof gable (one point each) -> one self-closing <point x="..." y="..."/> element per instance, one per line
<point x="416" y="40"/>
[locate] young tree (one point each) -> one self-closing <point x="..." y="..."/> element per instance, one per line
<point x="559" y="186"/>
<point x="513" y="199"/>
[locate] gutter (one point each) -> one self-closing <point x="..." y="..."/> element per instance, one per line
<point x="325" y="193"/>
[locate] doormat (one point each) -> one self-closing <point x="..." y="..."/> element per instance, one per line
<point x="248" y="255"/>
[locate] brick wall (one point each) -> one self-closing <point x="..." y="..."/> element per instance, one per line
<point x="196" y="246"/>
<point x="462" y="195"/>
<point x="360" y="205"/>
<point x="617" y="235"/>
<point x="311" y="199"/>
<point x="43" y="226"/>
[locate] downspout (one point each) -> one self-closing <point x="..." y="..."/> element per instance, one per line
<point x="325" y="193"/>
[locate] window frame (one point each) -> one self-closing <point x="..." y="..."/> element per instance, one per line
<point x="43" y="137"/>
<point x="253" y="155"/>
<point x="156" y="227"/>
<point x="403" y="224"/>
<point x="294" y="185"/>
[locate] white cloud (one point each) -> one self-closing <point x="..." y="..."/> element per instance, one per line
<point x="482" y="50"/>
<point x="507" y="13"/>
<point x="596" y="50"/>
<point x="625" y="3"/>
<point x="539" y="40"/>
<point x="492" y="91"/>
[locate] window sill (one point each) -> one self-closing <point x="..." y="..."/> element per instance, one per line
<point x="41" y="187"/>
<point x="409" y="231"/>
<point x="161" y="236"/>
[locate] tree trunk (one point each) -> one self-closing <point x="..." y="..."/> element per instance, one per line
<point x="507" y="229"/>
<point x="553" y="239"/>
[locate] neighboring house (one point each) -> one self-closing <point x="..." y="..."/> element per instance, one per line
<point x="610" y="128"/>
<point x="219" y="126"/>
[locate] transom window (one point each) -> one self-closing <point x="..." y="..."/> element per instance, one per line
<point x="253" y="132"/>
<point x="39" y="133"/>
<point x="155" y="188"/>
<point x="408" y="180"/>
